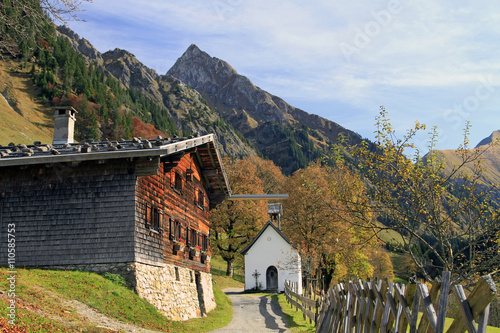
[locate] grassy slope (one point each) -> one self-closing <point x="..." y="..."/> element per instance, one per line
<point x="490" y="163"/>
<point x="31" y="121"/>
<point x="42" y="298"/>
<point x="219" y="267"/>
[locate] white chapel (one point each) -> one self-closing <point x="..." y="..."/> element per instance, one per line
<point x="270" y="258"/>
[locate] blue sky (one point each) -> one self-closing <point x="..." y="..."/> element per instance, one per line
<point x="437" y="62"/>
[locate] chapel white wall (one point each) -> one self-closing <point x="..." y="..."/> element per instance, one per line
<point x="271" y="249"/>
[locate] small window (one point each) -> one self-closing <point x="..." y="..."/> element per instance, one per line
<point x="194" y="238"/>
<point x="199" y="199"/>
<point x="205" y="246"/>
<point x="175" y="230"/>
<point x="171" y="229"/>
<point x="178" y="233"/>
<point x="176" y="181"/>
<point x="153" y="218"/>
<point x="189" y="232"/>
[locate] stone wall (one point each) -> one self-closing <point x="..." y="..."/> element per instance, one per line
<point x="208" y="291"/>
<point x="174" y="290"/>
<point x="179" y="293"/>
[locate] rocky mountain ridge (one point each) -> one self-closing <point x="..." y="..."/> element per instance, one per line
<point x="205" y="94"/>
<point x="273" y="126"/>
<point x="233" y="94"/>
<point x="184" y="104"/>
<point x="289" y="136"/>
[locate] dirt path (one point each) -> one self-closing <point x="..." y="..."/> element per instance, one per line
<point x="102" y="321"/>
<point x="84" y="314"/>
<point x="254" y="314"/>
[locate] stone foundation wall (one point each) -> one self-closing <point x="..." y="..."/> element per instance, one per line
<point x="208" y="291"/>
<point x="173" y="290"/>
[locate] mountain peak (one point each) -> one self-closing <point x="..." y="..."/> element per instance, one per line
<point x="495" y="136"/>
<point x="117" y="52"/>
<point x="193" y="49"/>
<point x="267" y="121"/>
<point x="199" y="68"/>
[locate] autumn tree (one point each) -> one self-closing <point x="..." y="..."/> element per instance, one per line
<point x="446" y="217"/>
<point x="316" y="221"/>
<point x="235" y="222"/>
<point x="381" y="262"/>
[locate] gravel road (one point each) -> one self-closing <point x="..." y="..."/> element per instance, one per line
<point x="253" y="313"/>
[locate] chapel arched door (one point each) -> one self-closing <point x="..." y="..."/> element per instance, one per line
<point x="272" y="278"/>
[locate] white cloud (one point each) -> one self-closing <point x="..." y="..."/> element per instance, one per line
<point x="420" y="57"/>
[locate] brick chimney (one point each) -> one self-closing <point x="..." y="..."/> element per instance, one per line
<point x="64" y="124"/>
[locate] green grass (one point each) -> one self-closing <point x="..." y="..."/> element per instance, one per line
<point x="295" y="319"/>
<point x="449" y="321"/>
<point x="392" y="236"/>
<point x="223" y="282"/>
<point x="217" y="318"/>
<point x="40" y="297"/>
<point x="219" y="267"/>
<point x="398" y="280"/>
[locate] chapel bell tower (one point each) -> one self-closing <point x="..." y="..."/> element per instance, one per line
<point x="275" y="211"/>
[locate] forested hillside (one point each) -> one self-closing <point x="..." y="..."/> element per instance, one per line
<point x="106" y="107"/>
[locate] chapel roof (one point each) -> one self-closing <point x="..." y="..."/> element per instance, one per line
<point x="268" y="224"/>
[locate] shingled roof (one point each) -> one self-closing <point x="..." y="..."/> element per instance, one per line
<point x="205" y="149"/>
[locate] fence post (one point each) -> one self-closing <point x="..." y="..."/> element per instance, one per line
<point x="316" y="315"/>
<point x="476" y="306"/>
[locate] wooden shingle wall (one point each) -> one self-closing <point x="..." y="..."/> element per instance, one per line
<point x="179" y="206"/>
<point x="69" y="214"/>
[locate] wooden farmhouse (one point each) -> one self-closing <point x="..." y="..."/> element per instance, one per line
<point x="139" y="208"/>
<point x="271" y="259"/>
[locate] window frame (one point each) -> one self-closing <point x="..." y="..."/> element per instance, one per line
<point x="153" y="217"/>
<point x="175" y="230"/>
<point x="199" y="199"/>
<point x="176" y="182"/>
<point x="205" y="243"/>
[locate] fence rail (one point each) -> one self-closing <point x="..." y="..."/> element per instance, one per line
<point x="380" y="306"/>
<point x="309" y="307"/>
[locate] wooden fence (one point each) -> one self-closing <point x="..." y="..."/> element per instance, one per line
<point x="309" y="307"/>
<point x="380" y="306"/>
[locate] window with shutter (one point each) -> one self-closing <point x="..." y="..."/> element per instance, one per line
<point x="199" y="200"/>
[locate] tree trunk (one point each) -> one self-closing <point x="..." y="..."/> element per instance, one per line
<point x="230" y="268"/>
